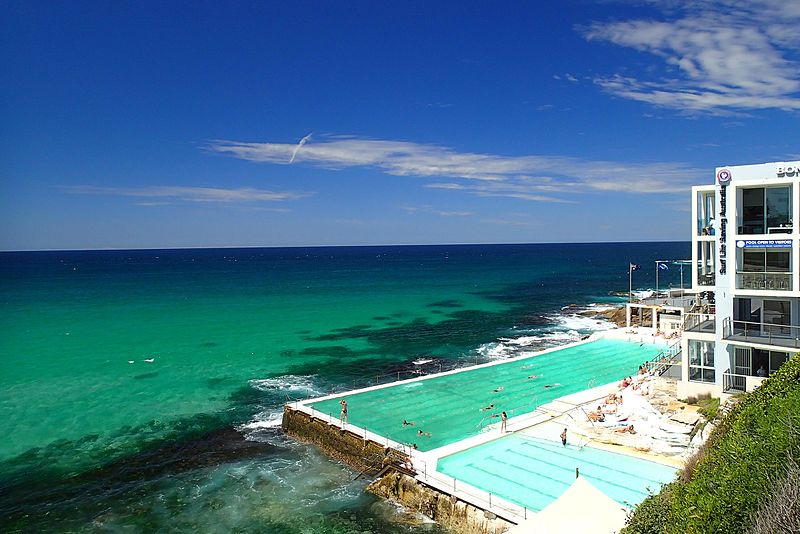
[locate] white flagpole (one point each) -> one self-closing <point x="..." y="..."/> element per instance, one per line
<point x="656" y="278"/>
<point x="630" y="282"/>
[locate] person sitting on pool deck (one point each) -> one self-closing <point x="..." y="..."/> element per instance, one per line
<point x="596" y="416"/>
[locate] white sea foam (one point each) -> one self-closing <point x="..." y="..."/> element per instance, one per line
<point x="266" y="419"/>
<point x="295" y="383"/>
<point x="576" y="322"/>
<point x="566" y="327"/>
<point x="422" y="361"/>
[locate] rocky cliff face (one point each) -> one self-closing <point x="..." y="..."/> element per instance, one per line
<point x="448" y="511"/>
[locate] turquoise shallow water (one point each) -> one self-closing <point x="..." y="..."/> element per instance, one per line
<point x="534" y="472"/>
<point x="189" y="441"/>
<point x="454" y="406"/>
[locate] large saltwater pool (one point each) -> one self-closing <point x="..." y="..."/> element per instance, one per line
<point x="533" y="472"/>
<point x="451" y="407"/>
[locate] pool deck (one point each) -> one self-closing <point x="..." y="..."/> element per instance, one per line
<point x="545" y="422"/>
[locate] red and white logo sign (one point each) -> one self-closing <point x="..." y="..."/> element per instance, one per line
<point x="724" y="176"/>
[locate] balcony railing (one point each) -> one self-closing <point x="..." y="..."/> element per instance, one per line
<point x="764" y="333"/>
<point x="700" y="322"/>
<point x="733" y="383"/>
<point x="739" y="383"/>
<point x="770" y="281"/>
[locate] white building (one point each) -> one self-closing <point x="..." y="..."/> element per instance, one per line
<point x="746" y="276"/>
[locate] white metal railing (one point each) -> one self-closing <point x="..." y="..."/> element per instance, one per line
<point x="767" y="333"/>
<point x="734" y="382"/>
<point x="665" y="359"/>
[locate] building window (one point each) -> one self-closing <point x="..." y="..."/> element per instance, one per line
<point x="764" y="268"/>
<point x="705" y="213"/>
<point x="766" y="210"/>
<point x="706" y="255"/>
<point x="701" y="361"/>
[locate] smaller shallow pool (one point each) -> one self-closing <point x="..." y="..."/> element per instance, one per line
<point x="533" y="472"/>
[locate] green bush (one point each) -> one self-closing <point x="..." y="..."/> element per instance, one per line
<point x="709" y="407"/>
<point x="727" y="486"/>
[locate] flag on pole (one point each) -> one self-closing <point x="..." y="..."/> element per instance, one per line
<point x="635" y="267"/>
<point x="663" y="266"/>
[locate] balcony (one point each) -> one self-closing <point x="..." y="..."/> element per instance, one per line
<point x="737" y="383"/>
<point x="704" y="323"/>
<point x="769" y="281"/>
<point x="764" y="333"/>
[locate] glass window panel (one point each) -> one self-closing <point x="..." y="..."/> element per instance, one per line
<point x="776" y="359"/>
<point x="708" y="355"/>
<point x="708" y="375"/>
<point x="696" y="374"/>
<point x="779" y="209"/>
<point x="778" y="261"/>
<point x="753" y="211"/>
<point x="753" y="261"/>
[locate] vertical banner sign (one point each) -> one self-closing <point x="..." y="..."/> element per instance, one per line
<point x="724" y="178"/>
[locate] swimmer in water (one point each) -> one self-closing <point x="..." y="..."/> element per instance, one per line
<point x="488" y="407"/>
<point x="408" y="423"/>
<point x="498" y="390"/>
<point x="421" y="433"/>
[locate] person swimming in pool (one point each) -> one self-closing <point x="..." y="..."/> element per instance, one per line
<point x="408" y="423"/>
<point x="488" y="407"/>
<point x="421" y="433"/>
<point x="498" y="390"/>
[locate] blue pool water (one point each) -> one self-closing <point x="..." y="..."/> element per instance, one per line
<point x="533" y="472"/>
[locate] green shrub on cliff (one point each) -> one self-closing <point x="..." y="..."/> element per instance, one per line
<point x="726" y="489"/>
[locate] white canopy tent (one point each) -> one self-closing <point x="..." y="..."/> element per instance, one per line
<point x="582" y="508"/>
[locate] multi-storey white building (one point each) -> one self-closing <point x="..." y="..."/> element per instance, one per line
<point x="746" y="275"/>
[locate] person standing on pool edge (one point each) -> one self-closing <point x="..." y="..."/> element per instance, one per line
<point x="343" y="417"/>
<point x="503" y="422"/>
<point x="564" y="437"/>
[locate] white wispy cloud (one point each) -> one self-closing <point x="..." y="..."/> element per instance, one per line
<point x="719" y="56"/>
<point x="189" y="194"/>
<point x="411" y="210"/>
<point x="531" y="177"/>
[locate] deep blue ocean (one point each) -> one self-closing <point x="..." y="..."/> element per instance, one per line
<point x="142" y="390"/>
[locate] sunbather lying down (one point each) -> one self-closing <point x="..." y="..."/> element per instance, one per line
<point x="629" y="429"/>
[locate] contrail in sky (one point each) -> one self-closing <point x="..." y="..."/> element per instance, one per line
<point x="301" y="143"/>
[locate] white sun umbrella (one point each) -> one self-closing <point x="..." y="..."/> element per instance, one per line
<point x="582" y="508"/>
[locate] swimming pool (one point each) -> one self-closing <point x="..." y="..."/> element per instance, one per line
<point x="449" y="408"/>
<point x="533" y="472"/>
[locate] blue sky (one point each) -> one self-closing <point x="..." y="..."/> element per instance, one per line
<point x="175" y="124"/>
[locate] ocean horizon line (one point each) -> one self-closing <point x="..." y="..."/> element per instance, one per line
<point x="243" y="247"/>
